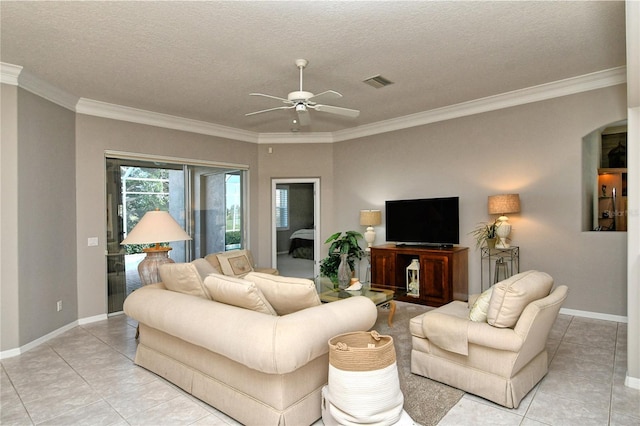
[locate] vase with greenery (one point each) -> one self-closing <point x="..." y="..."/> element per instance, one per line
<point x="341" y="243"/>
<point x="485" y="232"/>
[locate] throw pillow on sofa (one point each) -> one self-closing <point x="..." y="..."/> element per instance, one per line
<point x="286" y="294"/>
<point x="237" y="292"/>
<point x="204" y="268"/>
<point x="183" y="278"/>
<point x="234" y="263"/>
<point x="511" y="296"/>
<point x="213" y="260"/>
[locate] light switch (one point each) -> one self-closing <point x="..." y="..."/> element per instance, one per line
<point x="92" y="241"/>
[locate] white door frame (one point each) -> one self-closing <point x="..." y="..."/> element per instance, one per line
<point x="316" y="219"/>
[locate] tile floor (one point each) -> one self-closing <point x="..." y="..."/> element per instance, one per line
<point x="86" y="377"/>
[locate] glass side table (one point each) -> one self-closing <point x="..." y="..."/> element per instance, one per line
<point x="497" y="264"/>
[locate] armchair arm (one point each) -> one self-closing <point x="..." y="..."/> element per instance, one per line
<point x="446" y="331"/>
<point x="483" y="334"/>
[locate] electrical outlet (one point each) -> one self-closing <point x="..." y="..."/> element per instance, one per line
<point x="59" y="305"/>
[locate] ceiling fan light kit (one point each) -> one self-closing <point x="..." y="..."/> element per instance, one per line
<point x="301" y="101"/>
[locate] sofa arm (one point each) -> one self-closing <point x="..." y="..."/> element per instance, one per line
<point x="271" y="344"/>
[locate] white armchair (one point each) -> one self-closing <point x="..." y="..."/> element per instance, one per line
<point x="501" y="358"/>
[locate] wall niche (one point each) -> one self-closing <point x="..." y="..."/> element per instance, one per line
<point x="604" y="166"/>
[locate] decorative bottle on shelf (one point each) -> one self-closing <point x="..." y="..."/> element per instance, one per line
<point x="344" y="271"/>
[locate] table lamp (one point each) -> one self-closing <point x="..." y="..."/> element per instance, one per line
<point x="155" y="227"/>
<point x="370" y="218"/>
<point x="501" y="205"/>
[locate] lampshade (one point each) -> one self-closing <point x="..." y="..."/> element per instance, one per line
<point x="503" y="204"/>
<point x="370" y="217"/>
<point x="156" y="227"/>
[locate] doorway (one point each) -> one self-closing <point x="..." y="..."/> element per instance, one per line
<point x="296" y="226"/>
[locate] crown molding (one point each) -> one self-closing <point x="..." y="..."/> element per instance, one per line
<point x="569" y="86"/>
<point x="277" y="138"/>
<point x="15" y="75"/>
<point x="134" y="115"/>
<point x="9" y="73"/>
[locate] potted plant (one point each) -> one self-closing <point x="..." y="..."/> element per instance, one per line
<point x="485" y="232"/>
<point x="344" y="246"/>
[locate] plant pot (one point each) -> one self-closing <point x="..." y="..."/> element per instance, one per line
<point x="491" y="242"/>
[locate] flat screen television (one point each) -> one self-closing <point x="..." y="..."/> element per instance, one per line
<point x="426" y="221"/>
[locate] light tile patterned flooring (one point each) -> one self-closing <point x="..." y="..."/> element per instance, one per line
<point x="86" y="377"/>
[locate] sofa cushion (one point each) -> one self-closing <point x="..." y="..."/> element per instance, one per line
<point x="213" y="260"/>
<point x="286" y="294"/>
<point x="237" y="292"/>
<point x="235" y="263"/>
<point x="478" y="312"/>
<point x="183" y="278"/>
<point x="511" y="296"/>
<point x="204" y="268"/>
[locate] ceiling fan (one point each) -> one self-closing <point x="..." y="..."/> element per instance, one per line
<point x="302" y="101"/>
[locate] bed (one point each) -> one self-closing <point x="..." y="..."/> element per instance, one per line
<point x="301" y="244"/>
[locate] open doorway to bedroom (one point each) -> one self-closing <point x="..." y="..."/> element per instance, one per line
<point x="296" y="226"/>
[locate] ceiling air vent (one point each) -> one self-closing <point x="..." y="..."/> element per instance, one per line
<point x="377" y="81"/>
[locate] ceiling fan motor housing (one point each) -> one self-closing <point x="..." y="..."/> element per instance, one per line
<point x="299" y="96"/>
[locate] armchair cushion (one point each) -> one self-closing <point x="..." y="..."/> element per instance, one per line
<point x="480" y="307"/>
<point x="511" y="296"/>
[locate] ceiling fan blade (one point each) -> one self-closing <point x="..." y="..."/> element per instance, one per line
<point x="328" y="95"/>
<point x="286" y="101"/>
<point x="337" y="110"/>
<point x="270" y="109"/>
<point x="304" y="118"/>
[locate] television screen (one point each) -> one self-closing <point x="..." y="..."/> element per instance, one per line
<point x="428" y="221"/>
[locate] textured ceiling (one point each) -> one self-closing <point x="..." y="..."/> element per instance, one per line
<point x="200" y="60"/>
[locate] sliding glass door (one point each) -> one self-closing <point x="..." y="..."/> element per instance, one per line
<point x="207" y="201"/>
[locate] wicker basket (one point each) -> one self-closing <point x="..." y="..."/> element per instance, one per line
<point x="361" y="351"/>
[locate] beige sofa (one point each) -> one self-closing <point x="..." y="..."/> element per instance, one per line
<point x="236" y="263"/>
<point x="262" y="362"/>
<point x="494" y="346"/>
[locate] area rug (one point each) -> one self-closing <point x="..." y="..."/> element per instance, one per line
<point x="425" y="400"/>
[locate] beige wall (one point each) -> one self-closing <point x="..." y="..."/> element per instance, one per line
<point x="97" y="135"/>
<point x="38" y="217"/>
<point x="294" y="161"/>
<point x="9" y="321"/>
<point x="533" y="150"/>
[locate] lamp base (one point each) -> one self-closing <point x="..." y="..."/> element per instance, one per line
<point x="149" y="268"/>
<point x="502" y="232"/>
<point x="369" y="237"/>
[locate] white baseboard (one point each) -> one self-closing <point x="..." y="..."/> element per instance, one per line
<point x="594" y="315"/>
<point x="24" y="348"/>
<point x="631" y="382"/>
<point x="95" y="318"/>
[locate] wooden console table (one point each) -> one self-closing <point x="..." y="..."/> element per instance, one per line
<point x="444" y="272"/>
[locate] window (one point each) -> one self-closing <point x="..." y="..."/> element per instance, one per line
<point x="207" y="200"/>
<point x="282" y="207"/>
